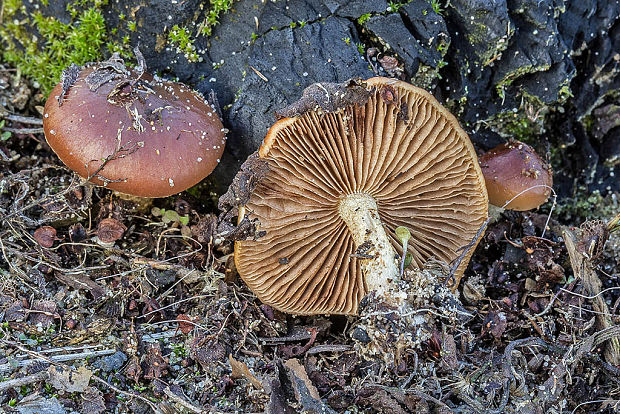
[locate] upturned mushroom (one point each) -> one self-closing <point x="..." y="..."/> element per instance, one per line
<point x="130" y="131"/>
<point x="517" y="178"/>
<point x="344" y="167"/>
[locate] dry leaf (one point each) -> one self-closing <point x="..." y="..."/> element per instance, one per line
<point x="110" y="230"/>
<point x="68" y="380"/>
<point x="92" y="401"/>
<point x="133" y="370"/>
<point x="35" y="403"/>
<point x="241" y="370"/>
<point x="45" y="236"/>
<point x="305" y="392"/>
<point x="44" y="313"/>
<point x="155" y="365"/>
<point x="82" y="281"/>
<point x="185" y="327"/>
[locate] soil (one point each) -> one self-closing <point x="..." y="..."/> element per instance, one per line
<point x="116" y="305"/>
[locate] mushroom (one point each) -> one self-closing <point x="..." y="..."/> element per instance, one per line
<point x="130" y="131"/>
<point x="348" y="165"/>
<point x="517" y="178"/>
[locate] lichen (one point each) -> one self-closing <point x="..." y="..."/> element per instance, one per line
<point x="525" y="125"/>
<point x="500" y="87"/>
<point x="584" y="206"/>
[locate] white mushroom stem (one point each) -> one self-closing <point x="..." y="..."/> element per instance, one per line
<point x="380" y="269"/>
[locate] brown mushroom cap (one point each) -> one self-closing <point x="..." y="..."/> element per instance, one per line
<point x="512" y="168"/>
<point x="401" y="147"/>
<point x="160" y="137"/>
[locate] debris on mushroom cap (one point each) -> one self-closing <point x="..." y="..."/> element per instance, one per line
<point x="339" y="181"/>
<point x="514" y="168"/>
<point x="131" y="132"/>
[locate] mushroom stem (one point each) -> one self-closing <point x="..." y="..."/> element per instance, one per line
<point x="378" y="263"/>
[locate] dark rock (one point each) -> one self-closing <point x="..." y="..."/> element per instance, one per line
<point x="290" y="60"/>
<point x="110" y="363"/>
<point x="359" y="334"/>
<point x="610" y="148"/>
<point x="536" y="46"/>
<point x="429" y="29"/>
<point x="355" y="8"/>
<point x="290" y="13"/>
<point x="480" y="30"/>
<point x="415" y="34"/>
<point x="582" y="21"/>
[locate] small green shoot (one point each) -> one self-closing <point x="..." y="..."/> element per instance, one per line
<point x="181" y="38"/>
<point x="4" y="135"/>
<point x="393" y="6"/>
<point x="361" y="49"/>
<point x="436" y="5"/>
<point x="173" y="218"/>
<point x="403" y="235"/>
<point x="614" y="224"/>
<point x="363" y="18"/>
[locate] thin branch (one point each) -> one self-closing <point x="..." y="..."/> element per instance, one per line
<point x="24" y="131"/>
<point x="94" y="377"/>
<point x="22" y="119"/>
<point x="27" y="380"/>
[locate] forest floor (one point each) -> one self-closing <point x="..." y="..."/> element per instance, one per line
<point x="111" y="306"/>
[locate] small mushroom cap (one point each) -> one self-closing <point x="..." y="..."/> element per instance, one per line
<point x="512" y="168"/>
<point x="398" y="145"/>
<point x="159" y="137"/>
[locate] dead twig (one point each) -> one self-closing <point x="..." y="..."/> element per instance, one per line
<point x="572" y="355"/>
<point x="27" y="380"/>
<point x="57" y="358"/>
<point x="95" y="378"/>
<point x="180" y="400"/>
<point x="23" y="131"/>
<point x="22" y="119"/>
<point x="465" y="250"/>
<point x="584" y="271"/>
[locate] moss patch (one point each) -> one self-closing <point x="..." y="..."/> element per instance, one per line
<point x="180" y="37"/>
<point x="43" y="57"/>
<point x="217" y="8"/>
<point x="587" y="206"/>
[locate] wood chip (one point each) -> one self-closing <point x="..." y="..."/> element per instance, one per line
<point x="241" y="370"/>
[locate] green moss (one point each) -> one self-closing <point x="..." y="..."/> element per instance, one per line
<point x="216" y="9"/>
<point x="181" y="38"/>
<point x="526" y="125"/>
<point x="425" y="76"/>
<point x="42" y="58"/>
<point x="517" y="73"/>
<point x="394" y="6"/>
<point x="363" y="18"/>
<point x="436" y="5"/>
<point x="479" y="35"/>
<point x="565" y="93"/>
<point x="583" y="206"/>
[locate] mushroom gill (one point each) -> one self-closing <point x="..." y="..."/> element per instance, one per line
<point x="340" y="182"/>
